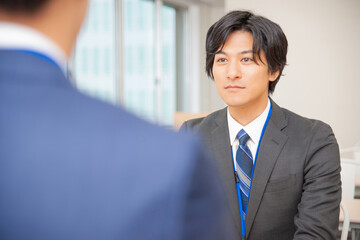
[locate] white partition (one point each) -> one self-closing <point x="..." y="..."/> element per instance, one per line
<point x="348" y="170"/>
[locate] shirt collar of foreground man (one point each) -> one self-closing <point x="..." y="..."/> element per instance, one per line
<point x="17" y="36"/>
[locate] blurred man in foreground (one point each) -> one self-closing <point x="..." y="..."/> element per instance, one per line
<point x="72" y="167"/>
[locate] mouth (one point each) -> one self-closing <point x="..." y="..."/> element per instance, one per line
<point x="234" y="87"/>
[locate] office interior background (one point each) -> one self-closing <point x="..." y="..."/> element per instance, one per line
<point x="149" y="57"/>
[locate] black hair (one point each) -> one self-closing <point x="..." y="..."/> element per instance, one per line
<point x="267" y="36"/>
<point x="28" y="6"/>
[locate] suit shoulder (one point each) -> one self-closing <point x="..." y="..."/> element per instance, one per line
<point x="93" y="117"/>
<point x="307" y="125"/>
<point x="207" y="122"/>
<point x="134" y="138"/>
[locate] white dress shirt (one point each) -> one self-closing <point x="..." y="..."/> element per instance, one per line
<point x="253" y="129"/>
<point x="19" y="37"/>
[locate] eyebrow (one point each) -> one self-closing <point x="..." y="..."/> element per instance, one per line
<point x="242" y="52"/>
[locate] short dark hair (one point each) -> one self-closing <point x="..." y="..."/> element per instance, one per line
<point x="267" y="35"/>
<point x="22" y="5"/>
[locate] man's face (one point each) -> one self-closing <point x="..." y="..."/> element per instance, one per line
<point x="241" y="83"/>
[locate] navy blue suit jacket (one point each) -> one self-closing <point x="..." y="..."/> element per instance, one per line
<point x="72" y="167"/>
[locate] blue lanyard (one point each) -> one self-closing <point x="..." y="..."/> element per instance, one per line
<point x="243" y="220"/>
<point x="37" y="54"/>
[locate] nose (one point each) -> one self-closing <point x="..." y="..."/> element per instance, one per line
<point x="234" y="70"/>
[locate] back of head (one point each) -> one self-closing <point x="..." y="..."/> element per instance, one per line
<point x="66" y="16"/>
<point x="28" y="6"/>
<point x="267" y="37"/>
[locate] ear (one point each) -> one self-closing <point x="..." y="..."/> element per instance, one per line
<point x="273" y="76"/>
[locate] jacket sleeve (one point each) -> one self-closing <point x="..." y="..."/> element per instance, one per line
<point x="318" y="210"/>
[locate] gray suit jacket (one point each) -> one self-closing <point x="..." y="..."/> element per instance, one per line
<point x="296" y="188"/>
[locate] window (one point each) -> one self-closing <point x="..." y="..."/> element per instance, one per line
<point x="147" y="76"/>
<point x="95" y="52"/>
<point x="142" y="84"/>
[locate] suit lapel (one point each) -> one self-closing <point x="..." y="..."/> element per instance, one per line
<point x="271" y="145"/>
<point x="222" y="149"/>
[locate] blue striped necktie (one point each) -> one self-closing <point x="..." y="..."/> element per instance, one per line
<point x="244" y="161"/>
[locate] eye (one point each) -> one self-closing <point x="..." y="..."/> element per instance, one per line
<point x="221" y="60"/>
<point x="246" y="60"/>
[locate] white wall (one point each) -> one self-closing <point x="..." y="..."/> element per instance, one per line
<point x="322" y="79"/>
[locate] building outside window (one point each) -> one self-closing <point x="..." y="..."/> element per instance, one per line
<point x="116" y="57"/>
<point x="94" y="61"/>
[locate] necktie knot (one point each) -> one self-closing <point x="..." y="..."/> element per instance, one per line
<point x="243" y="137"/>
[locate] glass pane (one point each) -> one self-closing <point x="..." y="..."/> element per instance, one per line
<point x="95" y="57"/>
<point x="139" y="57"/>
<point x="139" y="60"/>
<point x="169" y="64"/>
<point x="94" y="61"/>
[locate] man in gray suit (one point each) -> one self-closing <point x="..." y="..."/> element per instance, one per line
<point x="282" y="171"/>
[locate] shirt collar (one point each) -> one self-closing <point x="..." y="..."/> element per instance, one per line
<point x="253" y="129"/>
<point x="16" y="36"/>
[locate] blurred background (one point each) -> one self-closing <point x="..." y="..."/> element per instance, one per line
<point x="149" y="57"/>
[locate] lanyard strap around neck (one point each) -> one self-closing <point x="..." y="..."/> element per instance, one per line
<point x="242" y="219"/>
